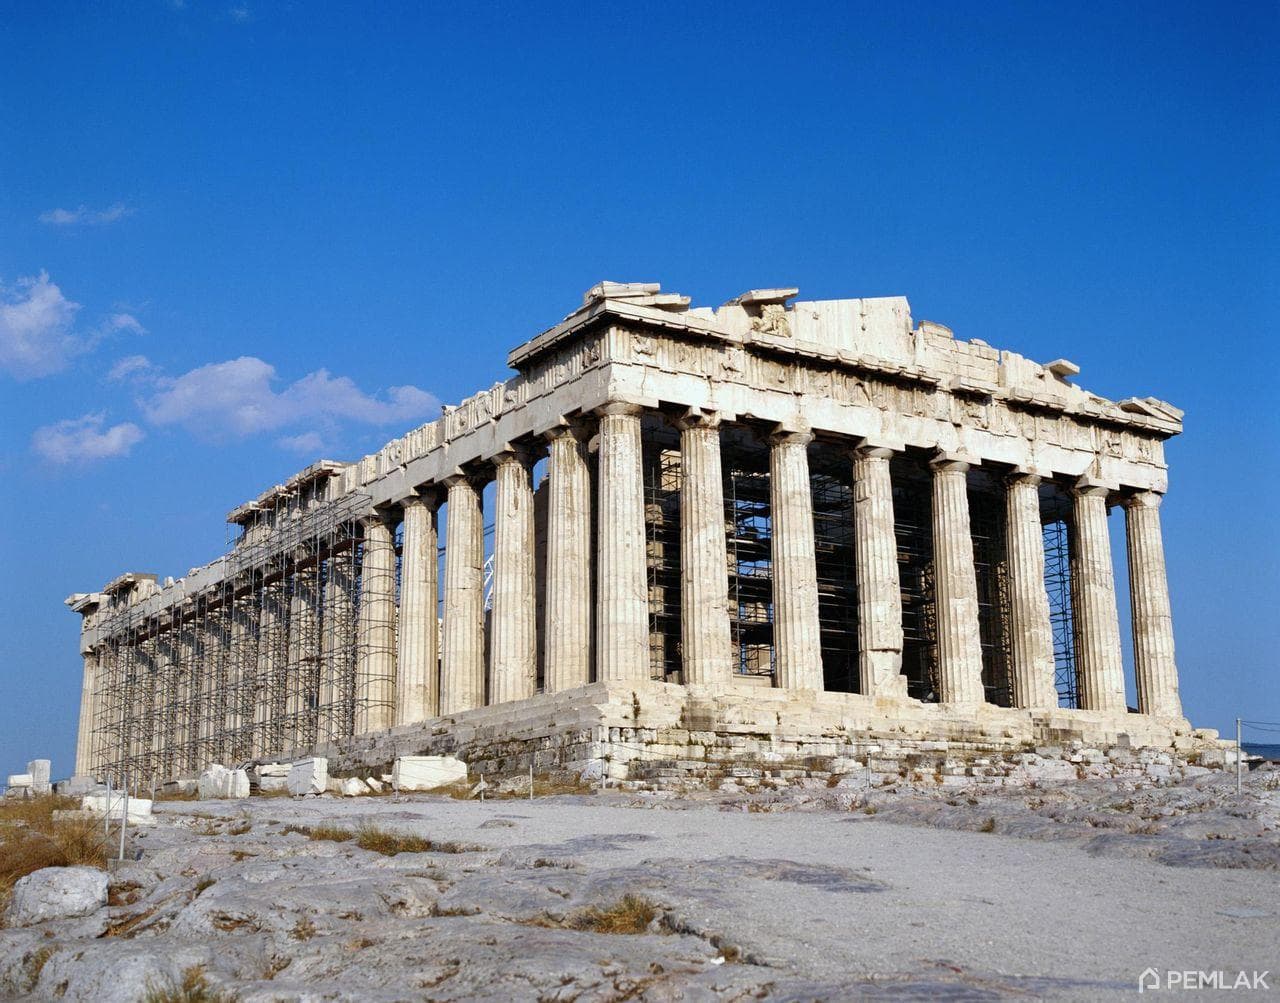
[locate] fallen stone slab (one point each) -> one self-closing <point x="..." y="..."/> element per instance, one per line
<point x="220" y="783"/>
<point x="426" y="773"/>
<point x="39" y="770"/>
<point x="23" y="780"/>
<point x="308" y="776"/>
<point x="139" y="810"/>
<point x="57" y="893"/>
<point x="352" y="787"/>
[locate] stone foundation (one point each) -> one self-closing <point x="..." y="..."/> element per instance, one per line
<point x="663" y="735"/>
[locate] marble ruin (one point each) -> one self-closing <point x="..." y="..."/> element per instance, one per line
<point x="777" y="530"/>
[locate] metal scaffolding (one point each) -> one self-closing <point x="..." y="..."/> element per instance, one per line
<point x="1055" y="514"/>
<point x="260" y="664"/>
<point x="913" y="527"/>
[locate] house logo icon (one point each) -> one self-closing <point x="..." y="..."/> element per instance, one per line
<point x="1150" y="979"/>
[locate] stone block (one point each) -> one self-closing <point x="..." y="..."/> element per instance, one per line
<point x="273" y="769"/>
<point x="426" y="773"/>
<point x="352" y="787"/>
<point x="57" y="893"/>
<point x="139" y="809"/>
<point x="219" y="783"/>
<point x="39" y="770"/>
<point x="375" y="786"/>
<point x="308" y="776"/>
<point x="20" y="781"/>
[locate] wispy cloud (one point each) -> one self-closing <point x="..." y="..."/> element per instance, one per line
<point x="85" y="439"/>
<point x="307" y="443"/>
<point x="130" y="366"/>
<point x="84" y="216"/>
<point x="36" y="322"/>
<point x="240" y="13"/>
<point x="237" y="398"/>
<point x="37" y="328"/>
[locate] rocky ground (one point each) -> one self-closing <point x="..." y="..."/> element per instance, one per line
<point x="816" y="891"/>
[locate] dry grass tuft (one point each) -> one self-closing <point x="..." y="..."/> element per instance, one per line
<point x="384" y="841"/>
<point x="631" y="914"/>
<point x="177" y="795"/>
<point x="30" y="839"/>
<point x="192" y="988"/>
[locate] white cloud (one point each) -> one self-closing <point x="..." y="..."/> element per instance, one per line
<point x="235" y="399"/>
<point x="240" y="13"/>
<point x="81" y="440"/>
<point x="124" y="322"/>
<point x="130" y="365"/>
<point x="84" y="216"/>
<point x="307" y="443"/>
<point x="35" y="328"/>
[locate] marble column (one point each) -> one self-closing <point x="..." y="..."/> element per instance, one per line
<point x="241" y="680"/>
<point x="1099" y="663"/>
<point x="797" y="635"/>
<point x="191" y="677"/>
<point x="462" y="643"/>
<point x="1030" y="632"/>
<point x="376" y="629"/>
<point x="271" y="626"/>
<point x="955" y="584"/>
<point x="88" y="696"/>
<point x="513" y="653"/>
<point x="304" y="657"/>
<point x="1153" y="661"/>
<point x="338" y="646"/>
<point x="567" y="645"/>
<point x="876" y="570"/>
<point x="622" y="590"/>
<point x="418" y="661"/>
<point x="706" y="651"/>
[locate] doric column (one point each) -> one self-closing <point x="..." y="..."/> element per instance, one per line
<point x="1030" y="632"/>
<point x="238" y="743"/>
<point x="1099" y="664"/>
<point x="376" y="653"/>
<point x="418" y="661"/>
<point x="567" y="644"/>
<point x="1153" y="661"/>
<point x="704" y="562"/>
<point x="191" y="677"/>
<point x="338" y="646"/>
<point x="304" y="655"/>
<point x="88" y="696"/>
<point x="797" y="635"/>
<point x="875" y="566"/>
<point x="955" y="584"/>
<point x="513" y="654"/>
<point x="622" y="600"/>
<point x="462" y="644"/>
<point x="271" y="624"/>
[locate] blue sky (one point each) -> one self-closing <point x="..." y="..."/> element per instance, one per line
<point x="329" y="219"/>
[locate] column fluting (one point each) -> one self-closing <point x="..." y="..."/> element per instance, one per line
<point x="417" y="627"/>
<point x="375" y="695"/>
<point x="84" y="734"/>
<point x="1153" y="652"/>
<point x="797" y="634"/>
<point x="704" y="562"/>
<point x="1030" y="631"/>
<point x="567" y="644"/>
<point x="622" y="594"/>
<point x="956" y="585"/>
<point x="1099" y="664"/>
<point x="513" y="657"/>
<point x="462" y="640"/>
<point x="876" y="572"/>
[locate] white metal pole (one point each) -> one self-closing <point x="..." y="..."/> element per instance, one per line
<point x="124" y="815"/>
<point x="1239" y="758"/>
<point x="530" y="779"/>
<point x="106" y="815"/>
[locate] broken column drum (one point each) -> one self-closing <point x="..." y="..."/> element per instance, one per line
<point x="334" y="619"/>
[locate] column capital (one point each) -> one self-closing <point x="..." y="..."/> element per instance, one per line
<point x="875" y="447"/>
<point x="458" y="476"/>
<point x="789" y="435"/>
<point x="696" y="417"/>
<point x="428" y="497"/>
<point x="953" y="461"/>
<point x="1022" y="475"/>
<point x="376" y="519"/>
<point x="1143" y="499"/>
<point x="1087" y="487"/>
<point x="512" y="453"/>
<point x="566" y="427"/>
<point x="620" y="407"/>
